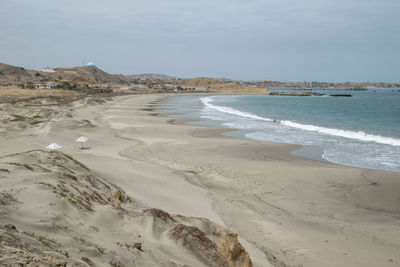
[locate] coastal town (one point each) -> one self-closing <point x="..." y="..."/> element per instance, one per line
<point x="91" y="79"/>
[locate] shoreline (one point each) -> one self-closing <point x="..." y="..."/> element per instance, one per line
<point x="315" y="151"/>
<point x="290" y="150"/>
<point x="292" y="158"/>
<point x="312" y="152"/>
<point x="286" y="210"/>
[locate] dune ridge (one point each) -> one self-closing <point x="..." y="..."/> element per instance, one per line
<point x="66" y="196"/>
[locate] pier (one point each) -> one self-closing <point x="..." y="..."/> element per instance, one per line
<point x="317" y="89"/>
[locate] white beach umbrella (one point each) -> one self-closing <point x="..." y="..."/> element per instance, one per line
<point x="53" y="146"/>
<point x="82" y="140"/>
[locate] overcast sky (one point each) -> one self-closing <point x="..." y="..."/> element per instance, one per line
<point x="290" y="40"/>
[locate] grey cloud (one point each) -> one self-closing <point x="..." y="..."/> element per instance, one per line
<point x="256" y="39"/>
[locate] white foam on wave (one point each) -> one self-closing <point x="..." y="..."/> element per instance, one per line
<point x="362" y="136"/>
<point x="344" y="133"/>
<point x="207" y="102"/>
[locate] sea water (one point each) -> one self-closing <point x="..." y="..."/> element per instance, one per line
<point x="362" y="130"/>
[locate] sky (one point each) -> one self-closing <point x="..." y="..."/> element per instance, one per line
<point x="285" y="40"/>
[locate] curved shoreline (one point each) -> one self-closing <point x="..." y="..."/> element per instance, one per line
<point x="332" y="184"/>
<point x="286" y="210"/>
<point x="309" y="151"/>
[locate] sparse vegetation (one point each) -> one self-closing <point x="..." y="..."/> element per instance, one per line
<point x="43" y="168"/>
<point x="35" y="122"/>
<point x="4" y="170"/>
<point x="87" y="260"/>
<point x="116" y="263"/>
<point x="60" y="226"/>
<point x="6" y="198"/>
<point x="25" y="152"/>
<point x="63" y="167"/>
<point x="21" y="165"/>
<point x="75" y="161"/>
<point x="29" y="85"/>
<point x="70" y="176"/>
<point x="47" y="184"/>
<point x="99" y="249"/>
<point x="42" y="239"/>
<point x="29" y="234"/>
<point x="17" y="118"/>
<point x="10" y="233"/>
<point x="46" y="241"/>
<point x="67" y="86"/>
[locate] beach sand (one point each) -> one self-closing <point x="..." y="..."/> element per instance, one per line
<point x="286" y="210"/>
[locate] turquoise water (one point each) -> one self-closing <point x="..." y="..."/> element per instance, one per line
<point x="375" y="112"/>
<point x="362" y="130"/>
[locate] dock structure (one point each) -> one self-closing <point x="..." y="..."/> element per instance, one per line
<point x="316" y="89"/>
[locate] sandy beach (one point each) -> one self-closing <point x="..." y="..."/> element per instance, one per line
<point x="286" y="210"/>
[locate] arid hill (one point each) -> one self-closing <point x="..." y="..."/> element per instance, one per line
<point x="151" y="76"/>
<point x="221" y="86"/>
<point x="9" y="73"/>
<point x="80" y="76"/>
<point x="90" y="75"/>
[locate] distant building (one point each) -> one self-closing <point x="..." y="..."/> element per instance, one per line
<point x="51" y="85"/>
<point x="65" y="70"/>
<point x="90" y="64"/>
<point x="48" y="70"/>
<point x="48" y="85"/>
<point x="39" y="86"/>
<point x="138" y="87"/>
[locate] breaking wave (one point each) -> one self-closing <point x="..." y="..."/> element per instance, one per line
<point x="208" y="100"/>
<point x="362" y="136"/>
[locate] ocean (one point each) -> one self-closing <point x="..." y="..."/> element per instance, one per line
<point x="362" y="130"/>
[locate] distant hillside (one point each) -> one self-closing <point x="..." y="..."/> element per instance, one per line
<point x="85" y="75"/>
<point x="9" y="73"/>
<point x="221" y="85"/>
<point x="151" y="76"/>
<point x="92" y="77"/>
<point x="322" y="85"/>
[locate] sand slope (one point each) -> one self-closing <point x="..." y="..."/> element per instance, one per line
<point x="56" y="210"/>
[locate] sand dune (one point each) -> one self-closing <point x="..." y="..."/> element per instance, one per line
<point x="56" y="211"/>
